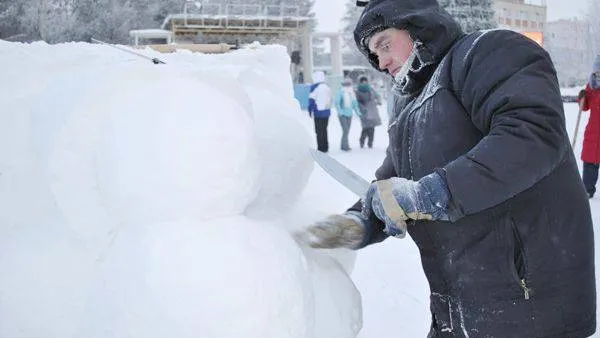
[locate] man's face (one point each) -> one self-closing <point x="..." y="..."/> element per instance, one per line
<point x="392" y="47"/>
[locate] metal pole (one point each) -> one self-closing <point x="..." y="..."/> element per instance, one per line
<point x="581" y="103"/>
<point x="307" y="55"/>
<point x="336" y="56"/>
<point x="154" y="60"/>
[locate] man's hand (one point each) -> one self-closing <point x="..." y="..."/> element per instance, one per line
<point x="396" y="200"/>
<point x="336" y="231"/>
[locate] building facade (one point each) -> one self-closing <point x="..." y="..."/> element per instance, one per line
<point x="568" y="42"/>
<point x="522" y="16"/>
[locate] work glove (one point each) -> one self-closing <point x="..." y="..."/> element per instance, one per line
<point x="396" y="200"/>
<point x="347" y="230"/>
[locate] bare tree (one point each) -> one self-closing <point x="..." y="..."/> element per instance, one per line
<point x="472" y="15"/>
<point x="594" y="27"/>
<point x="352" y="56"/>
<point x="26" y="20"/>
<point x="109" y="20"/>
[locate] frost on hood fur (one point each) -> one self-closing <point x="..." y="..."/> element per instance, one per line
<point x="425" y="21"/>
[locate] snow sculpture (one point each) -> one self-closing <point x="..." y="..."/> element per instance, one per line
<point x="140" y="199"/>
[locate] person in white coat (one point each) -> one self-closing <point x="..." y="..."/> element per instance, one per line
<point x="319" y="108"/>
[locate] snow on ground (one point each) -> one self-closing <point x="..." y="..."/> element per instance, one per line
<point x="571" y="90"/>
<point x="143" y="200"/>
<point x="155" y="201"/>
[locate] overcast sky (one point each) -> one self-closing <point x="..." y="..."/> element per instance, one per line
<point x="329" y="12"/>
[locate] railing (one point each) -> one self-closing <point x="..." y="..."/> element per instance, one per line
<point x="283" y="11"/>
<point x="242" y="16"/>
<point x="236" y="15"/>
<point x="208" y="11"/>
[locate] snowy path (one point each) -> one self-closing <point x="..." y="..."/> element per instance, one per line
<point x="389" y="275"/>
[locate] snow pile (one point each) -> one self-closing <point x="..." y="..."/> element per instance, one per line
<point x="144" y="200"/>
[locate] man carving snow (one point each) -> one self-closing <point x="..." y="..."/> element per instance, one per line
<point x="480" y="173"/>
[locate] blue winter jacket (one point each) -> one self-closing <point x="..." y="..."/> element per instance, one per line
<point x="346" y="111"/>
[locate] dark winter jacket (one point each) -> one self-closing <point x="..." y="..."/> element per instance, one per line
<point x="517" y="260"/>
<point x="367" y="100"/>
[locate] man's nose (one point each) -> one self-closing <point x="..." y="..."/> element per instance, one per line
<point x="383" y="63"/>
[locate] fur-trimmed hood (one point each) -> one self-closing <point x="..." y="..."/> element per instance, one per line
<point x="425" y="21"/>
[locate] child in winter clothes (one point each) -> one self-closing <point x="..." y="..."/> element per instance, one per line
<point x="346" y="105"/>
<point x="591" y="140"/>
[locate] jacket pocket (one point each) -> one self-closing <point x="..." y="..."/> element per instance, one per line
<point x="518" y="262"/>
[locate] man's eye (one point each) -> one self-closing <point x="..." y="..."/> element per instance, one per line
<point x="385" y="47"/>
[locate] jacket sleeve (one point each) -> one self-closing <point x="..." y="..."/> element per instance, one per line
<point x="508" y="86"/>
<point x="586" y="101"/>
<point x="311" y="106"/>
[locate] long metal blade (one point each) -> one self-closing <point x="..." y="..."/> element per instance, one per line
<point x="154" y="60"/>
<point x="341" y="173"/>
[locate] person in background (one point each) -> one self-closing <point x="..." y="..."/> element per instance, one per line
<point x="319" y="108"/>
<point x="368" y="100"/>
<point x="346" y="106"/>
<point x="480" y="172"/>
<point x="590" y="155"/>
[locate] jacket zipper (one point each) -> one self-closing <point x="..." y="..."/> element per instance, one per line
<point x="411" y="125"/>
<point x="521" y="277"/>
<point x="526" y="290"/>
